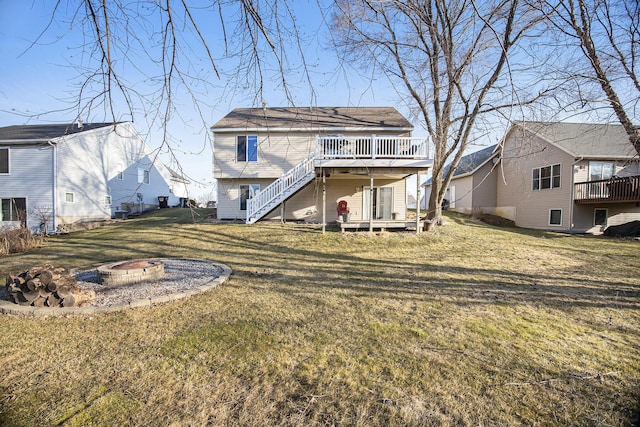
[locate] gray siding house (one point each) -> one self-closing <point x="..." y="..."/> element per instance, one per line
<point x="300" y="163"/>
<point x="63" y="174"/>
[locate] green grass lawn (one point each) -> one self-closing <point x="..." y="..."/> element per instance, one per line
<point x="468" y="325"/>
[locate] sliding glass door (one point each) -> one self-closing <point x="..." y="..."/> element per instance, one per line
<point x="382" y="203"/>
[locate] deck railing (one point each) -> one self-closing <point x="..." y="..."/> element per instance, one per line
<point x="616" y="189"/>
<point x="262" y="202"/>
<point x="371" y="147"/>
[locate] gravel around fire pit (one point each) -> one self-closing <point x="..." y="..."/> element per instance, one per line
<point x="180" y="275"/>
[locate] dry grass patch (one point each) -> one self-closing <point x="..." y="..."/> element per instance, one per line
<point x="16" y="240"/>
<point x="469" y="325"/>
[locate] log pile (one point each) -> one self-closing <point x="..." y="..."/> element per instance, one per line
<point x="47" y="286"/>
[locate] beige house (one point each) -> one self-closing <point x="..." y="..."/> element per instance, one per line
<point x="300" y="163"/>
<point x="569" y="177"/>
<point x="473" y="185"/>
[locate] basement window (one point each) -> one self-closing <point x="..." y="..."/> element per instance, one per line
<point x="555" y="216"/>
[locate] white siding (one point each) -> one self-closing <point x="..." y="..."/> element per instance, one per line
<point x="31" y="172"/>
<point x="89" y="164"/>
<point x="277" y="153"/>
<point x="460" y="194"/>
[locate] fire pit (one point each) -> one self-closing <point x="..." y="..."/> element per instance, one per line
<point x="127" y="272"/>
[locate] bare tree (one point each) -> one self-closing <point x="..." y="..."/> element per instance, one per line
<point x="44" y="214"/>
<point x="455" y="59"/>
<point x="607" y="33"/>
<point x="149" y="60"/>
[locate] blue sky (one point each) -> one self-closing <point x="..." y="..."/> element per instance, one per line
<point x="38" y="82"/>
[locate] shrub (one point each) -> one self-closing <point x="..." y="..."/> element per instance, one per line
<point x="18" y="240"/>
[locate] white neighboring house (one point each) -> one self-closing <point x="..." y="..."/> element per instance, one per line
<point x="66" y="174"/>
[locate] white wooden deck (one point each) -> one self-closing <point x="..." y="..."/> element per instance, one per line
<point x="372" y="151"/>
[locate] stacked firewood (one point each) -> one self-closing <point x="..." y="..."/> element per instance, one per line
<point x="47" y="286"/>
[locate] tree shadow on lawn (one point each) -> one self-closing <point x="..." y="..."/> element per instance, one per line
<point x="299" y="269"/>
<point x="465" y="285"/>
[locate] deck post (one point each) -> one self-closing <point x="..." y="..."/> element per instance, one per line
<point x="324" y="202"/>
<point x="282" y="211"/>
<point x="418" y="202"/>
<point x="371" y="202"/>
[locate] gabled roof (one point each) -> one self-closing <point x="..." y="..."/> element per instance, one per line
<point x="470" y="163"/>
<point x="584" y="140"/>
<point x="316" y="118"/>
<point x="44" y="132"/>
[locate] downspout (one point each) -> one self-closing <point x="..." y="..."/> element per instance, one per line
<point x="54" y="185"/>
<point x="418" y="202"/>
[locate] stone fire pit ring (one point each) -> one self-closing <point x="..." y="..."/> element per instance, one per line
<point x="127" y="272"/>
<point x="183" y="278"/>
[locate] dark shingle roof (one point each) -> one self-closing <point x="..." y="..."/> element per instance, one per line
<point x="327" y="118"/>
<point x="470" y="162"/>
<point x="45" y="132"/>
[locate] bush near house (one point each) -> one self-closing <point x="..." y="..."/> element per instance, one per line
<point x="468" y="325"/>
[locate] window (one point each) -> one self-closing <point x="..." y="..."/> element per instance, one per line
<point x="600" y="217"/>
<point x="247" y="192"/>
<point x="69" y="197"/>
<point x="143" y="176"/>
<point x="4" y="160"/>
<point x="247" y="148"/>
<point x="546" y="177"/>
<point x="107" y="200"/>
<point x="555" y="216"/>
<point x="120" y="171"/>
<point x="13" y="209"/>
<point x="601" y="170"/>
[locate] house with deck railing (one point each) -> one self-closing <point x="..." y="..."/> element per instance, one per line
<point x="318" y="164"/>
<point x="573" y="177"/>
<point x="570" y="177"/>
